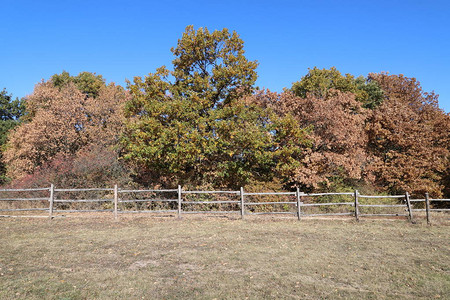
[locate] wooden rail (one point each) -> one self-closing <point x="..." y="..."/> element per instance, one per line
<point x="111" y="201"/>
<point x="427" y="208"/>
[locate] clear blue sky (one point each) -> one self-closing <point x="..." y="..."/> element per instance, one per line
<point x="123" y="39"/>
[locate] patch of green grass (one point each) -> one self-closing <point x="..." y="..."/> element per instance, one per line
<point x="207" y="258"/>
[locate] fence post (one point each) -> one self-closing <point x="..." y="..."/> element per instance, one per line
<point x="356" y="205"/>
<point x="51" y="200"/>
<point x="116" y="200"/>
<point x="242" y="203"/>
<point x="408" y="204"/>
<point x="179" y="201"/>
<point x="298" y="203"/>
<point x="427" y="207"/>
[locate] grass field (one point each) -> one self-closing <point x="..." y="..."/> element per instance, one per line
<point x="208" y="258"/>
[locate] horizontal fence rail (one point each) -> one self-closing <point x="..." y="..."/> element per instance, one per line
<point x="146" y="211"/>
<point x="432" y="209"/>
<point x="429" y="209"/>
<point x="146" y="200"/>
<point x="144" y="191"/>
<point x="326" y="204"/>
<point x="381" y="205"/>
<point x="82" y="200"/>
<point x="179" y="201"/>
<point x="326" y="194"/>
<point x="182" y="202"/>
<point x="35" y="200"/>
<point x="210" y="192"/>
<point x="25" y="190"/>
<point x="380" y="197"/>
<point x="269" y="193"/>
<point x="406" y="205"/>
<point x="23" y="199"/>
<point x="84" y="190"/>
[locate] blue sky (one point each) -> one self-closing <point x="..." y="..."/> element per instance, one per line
<point x="123" y="39"/>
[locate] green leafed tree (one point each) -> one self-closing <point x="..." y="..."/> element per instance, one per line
<point x="192" y="124"/>
<point x="10" y="113"/>
<point x="319" y="82"/>
<point x="87" y="82"/>
<point x="322" y="83"/>
<point x="212" y="65"/>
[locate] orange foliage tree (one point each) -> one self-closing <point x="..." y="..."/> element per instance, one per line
<point x="408" y="138"/>
<point x="336" y="131"/>
<point x="62" y="120"/>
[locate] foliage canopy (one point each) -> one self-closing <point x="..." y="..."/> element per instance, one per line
<point x="198" y="128"/>
<point x="322" y="83"/>
<point x="409" y="138"/>
<point x="202" y="122"/>
<point x="61" y="120"/>
<point x="11" y="112"/>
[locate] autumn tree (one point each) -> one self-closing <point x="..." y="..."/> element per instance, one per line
<point x="191" y="125"/>
<point x="335" y="126"/>
<point x="408" y="138"/>
<point x="93" y="166"/>
<point x="62" y="120"/>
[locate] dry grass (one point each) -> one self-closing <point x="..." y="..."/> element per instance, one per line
<point x="207" y="258"/>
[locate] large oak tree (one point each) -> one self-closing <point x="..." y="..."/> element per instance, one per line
<point x="192" y="125"/>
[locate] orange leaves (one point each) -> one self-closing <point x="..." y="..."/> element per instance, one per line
<point x="409" y="136"/>
<point x="338" y="135"/>
<point x="61" y="121"/>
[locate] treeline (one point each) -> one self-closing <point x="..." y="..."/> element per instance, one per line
<point x="203" y="123"/>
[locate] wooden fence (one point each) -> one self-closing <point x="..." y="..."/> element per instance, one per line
<point x="178" y="202"/>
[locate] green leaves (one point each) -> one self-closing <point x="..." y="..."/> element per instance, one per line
<point x="197" y="128"/>
<point x="323" y="83"/>
<point x="319" y="83"/>
<point x="87" y="82"/>
<point x="10" y="113"/>
<point x="212" y="65"/>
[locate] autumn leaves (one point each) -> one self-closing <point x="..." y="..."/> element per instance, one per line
<point x="203" y="122"/>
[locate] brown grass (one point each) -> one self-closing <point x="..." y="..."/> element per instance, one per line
<point x="207" y="258"/>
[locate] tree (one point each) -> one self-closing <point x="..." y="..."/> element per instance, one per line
<point x="62" y="120"/>
<point x="322" y="83"/>
<point x="198" y="128"/>
<point x="92" y="166"/>
<point x="10" y="113"/>
<point x="87" y="82"/>
<point x="408" y="138"/>
<point x="319" y="83"/>
<point x="336" y="131"/>
<point x="369" y="92"/>
<point x="212" y="65"/>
